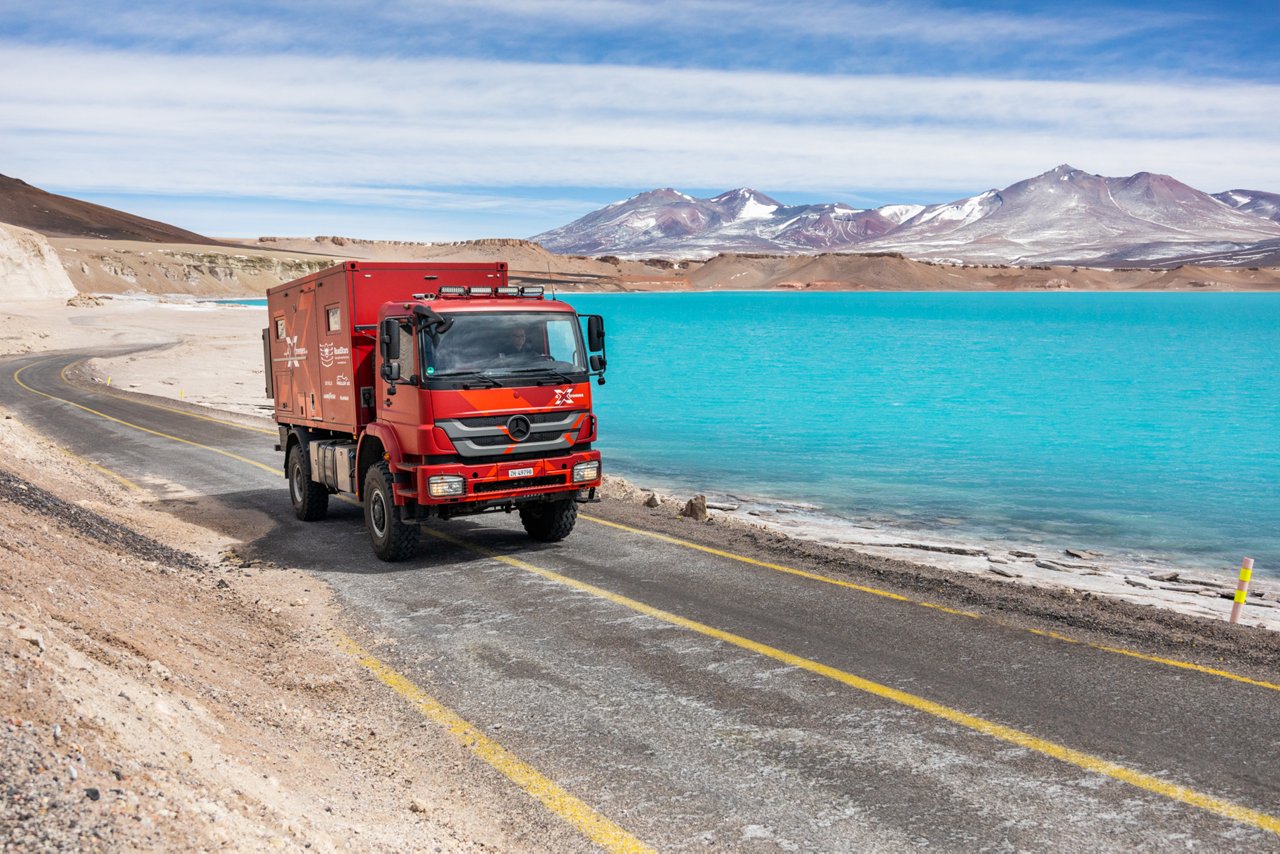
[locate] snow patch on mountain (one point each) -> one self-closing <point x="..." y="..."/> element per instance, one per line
<point x="898" y="214"/>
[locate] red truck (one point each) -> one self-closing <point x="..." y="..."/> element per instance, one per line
<point x="433" y="391"/>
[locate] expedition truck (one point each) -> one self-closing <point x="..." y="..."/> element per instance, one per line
<point x="433" y="391"/>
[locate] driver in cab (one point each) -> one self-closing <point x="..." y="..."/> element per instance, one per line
<point x="520" y="348"/>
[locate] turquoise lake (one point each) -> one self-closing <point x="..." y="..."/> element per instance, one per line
<point x="1142" y="425"/>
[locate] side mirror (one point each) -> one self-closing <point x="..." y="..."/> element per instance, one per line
<point x="389" y="341"/>
<point x="391" y="371"/>
<point x="597" y="363"/>
<point x="595" y="333"/>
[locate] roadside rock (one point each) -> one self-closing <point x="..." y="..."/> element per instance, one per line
<point x="652" y="500"/>
<point x="695" y="508"/>
<point x="33" y="638"/>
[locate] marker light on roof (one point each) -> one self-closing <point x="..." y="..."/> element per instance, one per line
<point x="453" y="290"/>
<point x="531" y="291"/>
<point x="480" y="291"/>
<point x="507" y="291"/>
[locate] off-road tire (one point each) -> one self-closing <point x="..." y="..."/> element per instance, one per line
<point x="392" y="538"/>
<point x="549" y="521"/>
<point x="310" y="499"/>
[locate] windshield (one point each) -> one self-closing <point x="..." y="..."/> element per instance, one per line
<point x="493" y="344"/>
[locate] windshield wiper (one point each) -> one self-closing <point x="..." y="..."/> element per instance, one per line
<point x="546" y="369"/>
<point x="463" y="376"/>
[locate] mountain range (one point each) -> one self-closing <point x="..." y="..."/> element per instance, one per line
<point x="1063" y="216"/>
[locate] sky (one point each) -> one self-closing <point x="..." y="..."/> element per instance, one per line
<point x="415" y="120"/>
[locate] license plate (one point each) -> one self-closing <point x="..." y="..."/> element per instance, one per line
<point x="520" y="472"/>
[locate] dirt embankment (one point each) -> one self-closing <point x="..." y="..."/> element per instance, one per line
<point x="185" y="699"/>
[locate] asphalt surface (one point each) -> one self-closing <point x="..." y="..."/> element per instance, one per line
<point x="697" y="700"/>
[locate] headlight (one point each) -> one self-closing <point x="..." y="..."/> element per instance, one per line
<point x="445" y="485"/>
<point x="586" y="471"/>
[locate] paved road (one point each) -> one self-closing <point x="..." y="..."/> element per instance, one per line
<point x="695" y="699"/>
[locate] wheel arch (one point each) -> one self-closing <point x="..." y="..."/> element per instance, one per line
<point x="376" y="443"/>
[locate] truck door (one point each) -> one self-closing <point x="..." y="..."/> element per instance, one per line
<point x="281" y="373"/>
<point x="337" y="373"/>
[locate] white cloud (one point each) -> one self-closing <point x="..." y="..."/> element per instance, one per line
<point x="305" y="128"/>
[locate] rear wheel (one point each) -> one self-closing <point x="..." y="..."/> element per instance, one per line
<point x="392" y="538"/>
<point x="549" y="521"/>
<point x="310" y="499"/>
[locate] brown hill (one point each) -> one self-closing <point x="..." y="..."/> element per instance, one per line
<point x="59" y="216"/>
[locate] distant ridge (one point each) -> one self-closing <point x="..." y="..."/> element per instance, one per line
<point x="1063" y="216"/>
<point x="61" y="216"/>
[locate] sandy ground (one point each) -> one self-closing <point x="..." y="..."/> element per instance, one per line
<point x="213" y="358"/>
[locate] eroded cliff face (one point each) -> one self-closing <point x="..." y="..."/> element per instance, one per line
<point x="103" y="266"/>
<point x="29" y="267"/>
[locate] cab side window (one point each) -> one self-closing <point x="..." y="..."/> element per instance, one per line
<point x="406" y="361"/>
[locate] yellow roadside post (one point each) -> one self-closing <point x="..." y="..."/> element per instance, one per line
<point x="1242" y="588"/>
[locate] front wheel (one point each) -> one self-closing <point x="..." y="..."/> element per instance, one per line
<point x="549" y="521"/>
<point x="392" y="538"/>
<point x="310" y="499"/>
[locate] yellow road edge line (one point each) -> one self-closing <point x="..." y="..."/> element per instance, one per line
<point x="130" y="399"/>
<point x="576" y="812"/>
<point x="1171" y="662"/>
<point x="18" y="379"/>
<point x="1080" y="759"/>
<point x="812" y="576"/>
<point x="1155" y="659"/>
<point x="128" y="484"/>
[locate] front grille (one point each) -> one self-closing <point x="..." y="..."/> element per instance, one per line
<point x="450" y="459"/>
<point x="519" y="483"/>
<point x="501" y="420"/>
<point x="503" y="441"/>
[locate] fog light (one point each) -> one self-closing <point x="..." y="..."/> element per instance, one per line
<point x="445" y="485"/>
<point x="586" y="471"/>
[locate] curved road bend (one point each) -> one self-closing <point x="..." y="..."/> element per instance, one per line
<point x="697" y="700"/>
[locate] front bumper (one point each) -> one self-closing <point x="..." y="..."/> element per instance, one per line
<point x="501" y="482"/>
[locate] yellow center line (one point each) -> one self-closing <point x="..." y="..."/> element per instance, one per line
<point x="17" y="377"/>
<point x="813" y="576"/>
<point x="590" y="823"/>
<point x="133" y="399"/>
<point x="1078" y="758"/>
